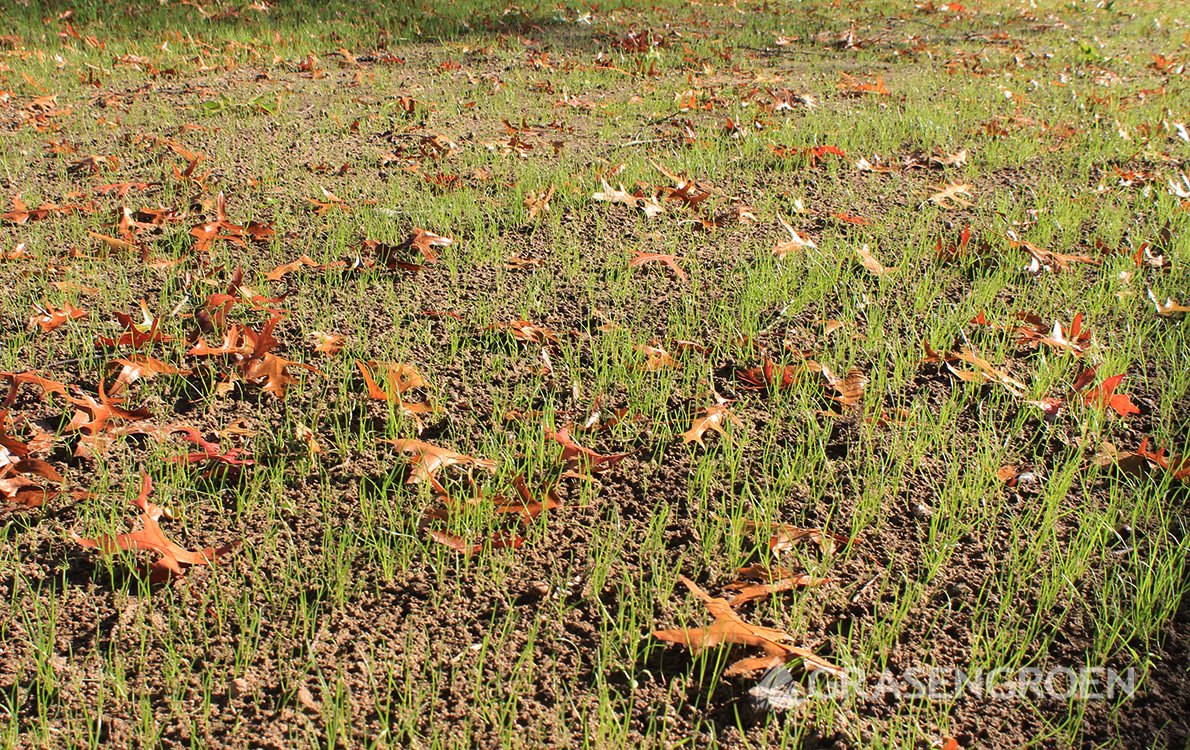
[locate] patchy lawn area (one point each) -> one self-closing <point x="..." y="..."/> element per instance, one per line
<point x="421" y="375"/>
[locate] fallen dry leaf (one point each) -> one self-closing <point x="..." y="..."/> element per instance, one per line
<point x="1104" y="396"/>
<point x="729" y="629"/>
<point x="428" y="459"/>
<point x="796" y="241"/>
<point x="951" y="196"/>
<point x="170" y="556"/>
<point x="329" y="344"/>
<point x="869" y="261"/>
<point x="458" y="544"/>
<point x="51" y="318"/>
<point x="669" y="260"/>
<point x="710" y="418"/>
<point x="579" y="458"/>
<point x="760" y="582"/>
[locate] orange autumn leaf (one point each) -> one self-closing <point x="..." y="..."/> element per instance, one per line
<point x="729" y="629"/>
<point x="710" y="418"/>
<point x="425" y="241"/>
<point x="51" y="318"/>
<point x="1104" y="396"/>
<point x="284" y="269"/>
<point x="667" y="259"/>
<point x="141" y="366"/>
<point x="760" y="582"/>
<point x="796" y="241"/>
<point x="329" y="344"/>
<point x="462" y="546"/>
<point x="577" y="458"/>
<point x="150" y="538"/>
<point x="397" y="376"/>
<point x="527" y="507"/>
<point x="869" y="262"/>
<point x="428" y="459"/>
<point x="849" y="389"/>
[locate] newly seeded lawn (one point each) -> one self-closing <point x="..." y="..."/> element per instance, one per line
<point x="876" y="213"/>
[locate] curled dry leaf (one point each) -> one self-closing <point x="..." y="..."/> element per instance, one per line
<point x="1169" y="308"/>
<point x="51" y="318"/>
<point x="1040" y="258"/>
<point x="462" y="546"/>
<point x="208" y="451"/>
<point x="93" y="415"/>
<point x="307" y="436"/>
<point x="850" y="388"/>
<point x="282" y="270"/>
<point x="207" y="234"/>
<point x="1074" y="341"/>
<point x="252" y="358"/>
<point x="611" y="195"/>
<point x="785" y="537"/>
<point x="668" y="259"/>
<point x="729" y="629"/>
<point x="869" y="262"/>
<point x="527" y="507"/>
<point x="425" y="241"/>
<point x="398" y="379"/>
<point x="523" y="330"/>
<point x="1104" y="396"/>
<point x="580" y="460"/>
<point x="1143" y="459"/>
<point x="657" y="358"/>
<point x="538" y="203"/>
<point x="136" y="334"/>
<point x="796" y="241"/>
<point x="774" y="376"/>
<point x="329" y="202"/>
<point x="984" y="371"/>
<point x="150" y="538"/>
<point x="711" y="418"/>
<point x="18" y="489"/>
<point x="329" y="344"/>
<point x="428" y="459"/>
